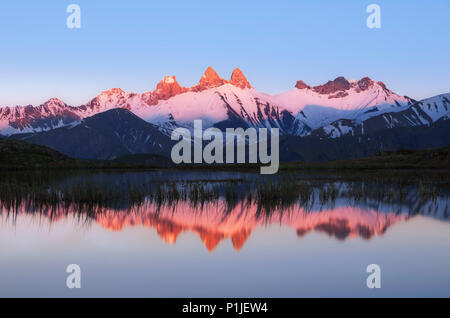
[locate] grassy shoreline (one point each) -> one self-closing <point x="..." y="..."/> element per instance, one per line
<point x="93" y="193"/>
<point x="18" y="155"/>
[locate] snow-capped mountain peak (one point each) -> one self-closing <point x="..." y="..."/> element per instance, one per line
<point x="235" y="103"/>
<point x="341" y="87"/>
<point x="54" y="102"/>
<point x="112" y="98"/>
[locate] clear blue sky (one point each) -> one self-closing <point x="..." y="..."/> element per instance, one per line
<point x="133" y="44"/>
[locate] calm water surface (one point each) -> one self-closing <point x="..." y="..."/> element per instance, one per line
<point x="229" y="250"/>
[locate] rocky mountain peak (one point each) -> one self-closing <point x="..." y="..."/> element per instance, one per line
<point x="338" y="84"/>
<point x="54" y="102"/>
<point x="383" y="86"/>
<point x="168" y="87"/>
<point x="209" y="79"/>
<point x="238" y="79"/>
<point x="365" y="83"/>
<point x="113" y="91"/>
<point x="302" y="85"/>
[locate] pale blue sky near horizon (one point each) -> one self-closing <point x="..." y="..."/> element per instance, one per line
<point x="133" y="44"/>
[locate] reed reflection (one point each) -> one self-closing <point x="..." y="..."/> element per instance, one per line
<point x="226" y="209"/>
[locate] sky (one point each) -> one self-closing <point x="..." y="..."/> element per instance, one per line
<point x="134" y="44"/>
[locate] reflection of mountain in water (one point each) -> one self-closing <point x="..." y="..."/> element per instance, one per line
<point x="213" y="226"/>
<point x="216" y="221"/>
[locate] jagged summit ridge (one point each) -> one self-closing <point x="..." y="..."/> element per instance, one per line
<point x="209" y="79"/>
<point x="222" y="103"/>
<point x="340" y="87"/>
<point x="341" y="84"/>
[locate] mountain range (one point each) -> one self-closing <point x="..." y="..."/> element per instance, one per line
<point x="359" y="117"/>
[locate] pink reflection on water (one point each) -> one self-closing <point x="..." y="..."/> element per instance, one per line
<point x="216" y="222"/>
